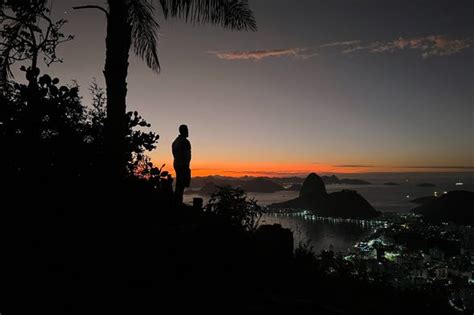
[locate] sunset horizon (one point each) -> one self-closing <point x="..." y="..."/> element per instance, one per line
<point x="303" y="169"/>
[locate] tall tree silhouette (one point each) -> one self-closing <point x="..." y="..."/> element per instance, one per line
<point x="132" y="23"/>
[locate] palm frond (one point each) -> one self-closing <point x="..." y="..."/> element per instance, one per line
<point x="144" y="32"/>
<point x="230" y="14"/>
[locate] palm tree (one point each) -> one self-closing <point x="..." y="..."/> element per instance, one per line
<point x="132" y="23"/>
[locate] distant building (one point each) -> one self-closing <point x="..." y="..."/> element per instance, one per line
<point x="419" y="281"/>
<point x="441" y="272"/>
<point x="436" y="254"/>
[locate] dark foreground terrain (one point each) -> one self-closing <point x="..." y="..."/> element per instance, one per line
<point x="80" y="248"/>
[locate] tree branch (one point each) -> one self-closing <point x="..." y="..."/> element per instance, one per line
<point x="50" y="26"/>
<point x="92" y="7"/>
<point x="7" y="17"/>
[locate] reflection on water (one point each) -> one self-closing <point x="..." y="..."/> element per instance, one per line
<point x="321" y="234"/>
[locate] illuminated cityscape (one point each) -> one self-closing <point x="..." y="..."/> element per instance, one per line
<point x="408" y="253"/>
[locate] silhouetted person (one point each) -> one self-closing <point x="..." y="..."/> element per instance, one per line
<point x="182" y="157"/>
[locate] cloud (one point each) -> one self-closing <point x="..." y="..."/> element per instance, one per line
<point x="463" y="167"/>
<point x="352" y="49"/>
<point x="428" y="46"/>
<point x="257" y="55"/>
<point x="353" y="165"/>
<point x="337" y="44"/>
<point x="451" y="167"/>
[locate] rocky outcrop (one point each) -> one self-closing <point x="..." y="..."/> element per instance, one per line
<point x="314" y="186"/>
<point x="343" y="204"/>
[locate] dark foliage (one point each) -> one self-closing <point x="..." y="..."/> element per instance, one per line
<point x="26" y="33"/>
<point x="230" y="14"/>
<point x="233" y="205"/>
<point x="70" y="135"/>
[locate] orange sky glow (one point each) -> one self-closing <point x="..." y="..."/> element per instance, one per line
<point x="294" y="169"/>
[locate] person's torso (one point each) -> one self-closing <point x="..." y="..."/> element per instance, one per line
<point x="181" y="148"/>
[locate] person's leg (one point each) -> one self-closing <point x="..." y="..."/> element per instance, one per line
<point x="179" y="189"/>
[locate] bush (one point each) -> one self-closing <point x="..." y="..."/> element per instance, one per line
<point x="50" y="120"/>
<point x="233" y="205"/>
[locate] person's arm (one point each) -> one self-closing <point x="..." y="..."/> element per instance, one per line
<point x="173" y="148"/>
<point x="188" y="151"/>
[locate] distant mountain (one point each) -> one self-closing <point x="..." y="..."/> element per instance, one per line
<point x="287" y="180"/>
<point x="208" y="189"/>
<point x="391" y="184"/>
<point x="426" y="185"/>
<point x="333" y="179"/>
<point x="199" y="182"/>
<point x="250" y="183"/>
<point x="354" y="181"/>
<point x="257" y="185"/>
<point x="455" y="206"/>
<point x="343" y="204"/>
<point x="329" y="180"/>
<point x="261" y="185"/>
<point x="295" y="187"/>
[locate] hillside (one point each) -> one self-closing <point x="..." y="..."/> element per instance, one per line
<point x="455" y="206"/>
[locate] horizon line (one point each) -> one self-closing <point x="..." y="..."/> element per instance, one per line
<point x="237" y="174"/>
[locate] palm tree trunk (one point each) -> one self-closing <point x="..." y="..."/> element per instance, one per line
<point x="118" y="43"/>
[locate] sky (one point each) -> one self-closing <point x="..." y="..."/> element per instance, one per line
<point x="340" y="86"/>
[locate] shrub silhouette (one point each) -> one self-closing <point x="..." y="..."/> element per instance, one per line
<point x="233" y="205"/>
<point x="67" y="135"/>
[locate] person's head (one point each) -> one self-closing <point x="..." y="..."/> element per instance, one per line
<point x="183" y="130"/>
